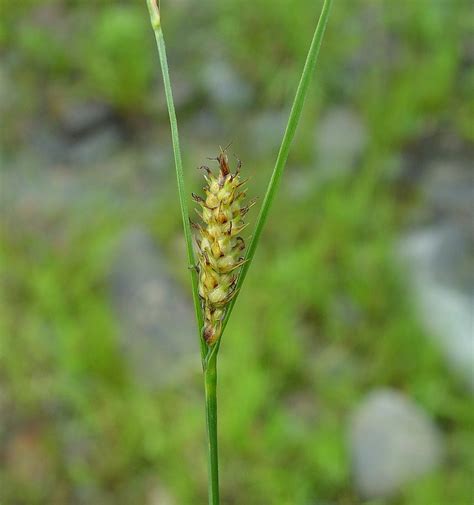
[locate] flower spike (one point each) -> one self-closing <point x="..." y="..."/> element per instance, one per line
<point x="220" y="245"/>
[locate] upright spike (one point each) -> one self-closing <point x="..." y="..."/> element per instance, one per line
<point x="220" y="247"/>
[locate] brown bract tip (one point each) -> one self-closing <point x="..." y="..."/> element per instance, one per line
<point x="224" y="164"/>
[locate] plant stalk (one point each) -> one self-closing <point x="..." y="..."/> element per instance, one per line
<point x="210" y="385"/>
<point x="155" y="19"/>
<point x="209" y="354"/>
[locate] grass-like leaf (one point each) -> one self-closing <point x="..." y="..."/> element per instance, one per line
<point x="282" y="157"/>
<point x="160" y="42"/>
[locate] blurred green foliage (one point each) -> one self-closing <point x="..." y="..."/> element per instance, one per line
<point x="105" y="52"/>
<point x="64" y="378"/>
<point x="424" y="39"/>
<point x="118" y="64"/>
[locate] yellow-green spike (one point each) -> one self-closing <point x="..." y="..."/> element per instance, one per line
<point x="220" y="250"/>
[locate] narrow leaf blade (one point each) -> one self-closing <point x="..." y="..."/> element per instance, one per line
<point x="282" y="157"/>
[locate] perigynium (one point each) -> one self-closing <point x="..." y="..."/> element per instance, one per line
<point x="219" y="242"/>
<point x="221" y="266"/>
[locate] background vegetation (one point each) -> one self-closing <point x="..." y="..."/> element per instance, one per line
<point x="326" y="314"/>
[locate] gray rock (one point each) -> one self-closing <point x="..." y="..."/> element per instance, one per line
<point x="438" y="251"/>
<point x="43" y="197"/>
<point x="157" y="330"/>
<point x="266" y="131"/>
<point x="204" y="124"/>
<point x="302" y="182"/>
<point x="81" y="132"/>
<point x="340" y="139"/>
<point x="440" y="260"/>
<point x="34" y="193"/>
<point x="79" y="118"/>
<point x="9" y="93"/>
<point x="185" y="93"/>
<point x="95" y="147"/>
<point x="439" y="168"/>
<point x="58" y="146"/>
<point x="224" y="86"/>
<point x="392" y="443"/>
<point x="448" y="190"/>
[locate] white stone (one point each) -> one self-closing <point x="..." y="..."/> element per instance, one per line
<point x="392" y="442"/>
<point x="447" y="311"/>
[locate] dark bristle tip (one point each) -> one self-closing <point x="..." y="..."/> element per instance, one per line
<point x="223" y="163"/>
<point x="196" y="198"/>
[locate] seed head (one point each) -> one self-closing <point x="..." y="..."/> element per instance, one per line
<point x="219" y="245"/>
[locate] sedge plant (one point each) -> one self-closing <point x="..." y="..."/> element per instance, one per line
<point x="217" y="263"/>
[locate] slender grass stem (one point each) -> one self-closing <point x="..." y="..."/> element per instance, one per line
<point x="209" y="355"/>
<point x="210" y="384"/>
<point x="282" y="157"/>
<point x="160" y="42"/>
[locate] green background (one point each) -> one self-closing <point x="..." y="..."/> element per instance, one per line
<point x="326" y="314"/>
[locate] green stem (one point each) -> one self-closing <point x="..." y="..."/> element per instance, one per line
<point x="210" y="367"/>
<point x="210" y="384"/>
<point x="160" y="42"/>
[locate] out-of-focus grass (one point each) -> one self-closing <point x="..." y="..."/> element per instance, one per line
<point x="325" y="303"/>
<point x="405" y="69"/>
<point x="328" y="316"/>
